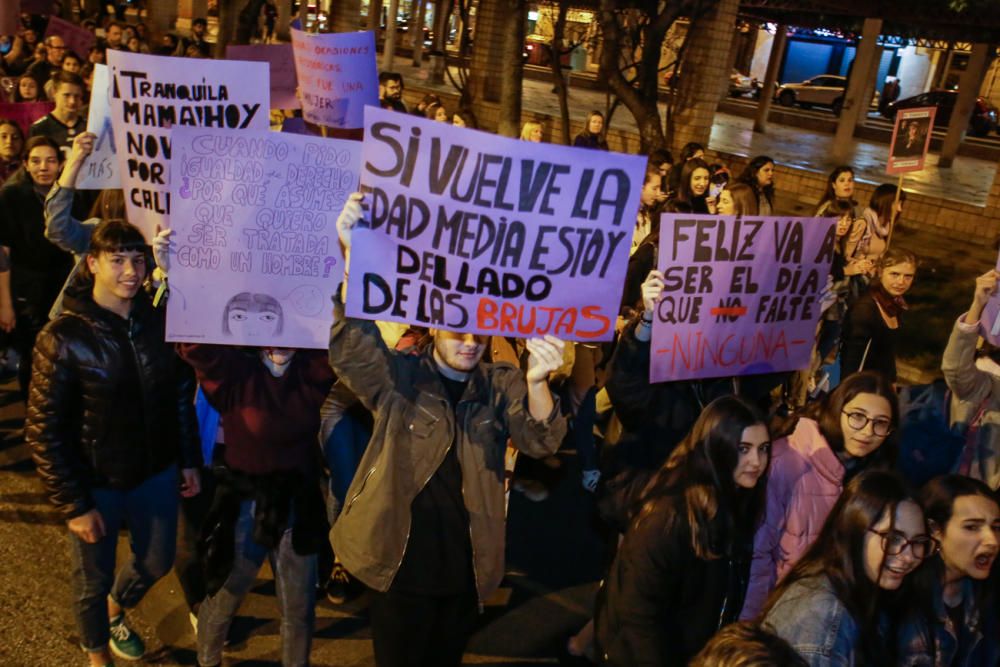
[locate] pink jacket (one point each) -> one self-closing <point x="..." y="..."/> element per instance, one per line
<point x="804" y="481"/>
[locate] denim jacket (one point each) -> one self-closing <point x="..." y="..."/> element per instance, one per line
<point x="811" y="618"/>
<point x="920" y="646"/>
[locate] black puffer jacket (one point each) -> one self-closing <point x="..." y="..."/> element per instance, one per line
<point x="110" y="403"/>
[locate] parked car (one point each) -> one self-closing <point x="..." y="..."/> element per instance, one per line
<point x="826" y="90"/>
<point x="741" y="84"/>
<point x="982" y="121"/>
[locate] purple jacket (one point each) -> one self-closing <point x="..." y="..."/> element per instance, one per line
<point x="804" y="482"/>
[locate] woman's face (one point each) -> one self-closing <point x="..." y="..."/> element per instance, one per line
<point x="843" y="185"/>
<point x="28" y="88"/>
<point x="441" y="115"/>
<point x="726" y="205"/>
<point x="651" y="190"/>
<point x="43" y="165"/>
<point x="754" y="452"/>
<point x="595" y="124"/>
<point x="699" y="181"/>
<point x="11" y="143"/>
<point x="844" y="225"/>
<point x="971" y="539"/>
<point x="887" y="570"/>
<point x="536" y="134"/>
<point x="861" y="417"/>
<point x="765" y="175"/>
<point x="897" y="279"/>
<point x="133" y="44"/>
<point x="457" y="121"/>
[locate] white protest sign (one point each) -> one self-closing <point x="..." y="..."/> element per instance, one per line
<point x="100" y="170"/>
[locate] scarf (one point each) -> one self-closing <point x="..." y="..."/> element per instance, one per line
<point x="892" y="306"/>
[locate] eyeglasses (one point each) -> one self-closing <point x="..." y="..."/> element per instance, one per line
<point x="894" y="544"/>
<point x="859" y="421"/>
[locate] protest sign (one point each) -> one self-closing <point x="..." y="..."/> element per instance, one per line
<point x="256" y="249"/>
<point x="151" y="94"/>
<point x="79" y="40"/>
<point x="337" y="76"/>
<point x="282" y="63"/>
<point x="741" y="296"/>
<point x="100" y="170"/>
<point x="477" y="233"/>
<point x="10" y="17"/>
<point x="297" y="126"/>
<point x="911" y="138"/>
<point x="989" y="321"/>
<point x="25" y="113"/>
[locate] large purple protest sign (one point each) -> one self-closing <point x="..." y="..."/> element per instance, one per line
<point x="151" y="94"/>
<point x="79" y="40"/>
<point x="256" y="254"/>
<point x="741" y="296"/>
<point x="25" y="113"/>
<point x="472" y="232"/>
<point x="282" y="63"/>
<point x="989" y="321"/>
<point x="337" y="76"/>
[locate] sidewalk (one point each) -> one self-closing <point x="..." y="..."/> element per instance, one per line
<point x="968" y="181"/>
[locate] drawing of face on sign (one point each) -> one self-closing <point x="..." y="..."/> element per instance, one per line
<point x="253" y="318"/>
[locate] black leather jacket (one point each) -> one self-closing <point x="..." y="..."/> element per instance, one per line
<point x="110" y="403"/>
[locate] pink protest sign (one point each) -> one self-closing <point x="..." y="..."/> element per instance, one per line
<point x="256" y="249"/>
<point x="282" y="63"/>
<point x="911" y="138"/>
<point x="151" y="94"/>
<point x="337" y="76"/>
<point x="25" y="113"/>
<point x="741" y="295"/>
<point x="472" y="232"/>
<point x="79" y="40"/>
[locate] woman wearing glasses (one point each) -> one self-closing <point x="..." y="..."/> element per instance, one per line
<point x="838" y="603"/>
<point x="950" y="622"/>
<point x="826" y="445"/>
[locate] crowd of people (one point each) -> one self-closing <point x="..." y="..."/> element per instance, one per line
<point x="760" y="517"/>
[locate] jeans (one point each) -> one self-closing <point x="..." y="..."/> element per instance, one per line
<point x="295" y="579"/>
<point x="150" y="512"/>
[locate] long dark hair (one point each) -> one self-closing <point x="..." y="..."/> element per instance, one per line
<point x="829" y="195"/>
<point x="839" y="554"/>
<point x="699" y="476"/>
<point x="749" y="176"/>
<point x="827" y="412"/>
<point x="882" y="200"/>
<point x="938" y="497"/>
<point x="684" y="195"/>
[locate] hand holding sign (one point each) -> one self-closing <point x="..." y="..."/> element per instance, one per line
<point x="161" y="249"/>
<point x="651" y="291"/>
<point x="83" y="145"/>
<point x="349" y="217"/>
<point x="545" y="356"/>
<point x="986" y="287"/>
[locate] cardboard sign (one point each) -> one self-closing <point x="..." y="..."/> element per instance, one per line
<point x="100" y="170"/>
<point x="151" y="94"/>
<point x="25" y="113"/>
<point x="280" y="59"/>
<point x="79" y="40"/>
<point x="741" y="295"/>
<point x="10" y="17"/>
<point x="256" y="249"/>
<point x="337" y="76"/>
<point x="476" y="233"/>
<point x="911" y="138"/>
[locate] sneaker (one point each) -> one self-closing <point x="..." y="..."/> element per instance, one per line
<point x="126" y="644"/>
<point x="532" y="489"/>
<point x="590" y="479"/>
<point x="341" y="588"/>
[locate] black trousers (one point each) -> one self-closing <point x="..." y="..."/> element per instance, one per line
<point x="412" y="630"/>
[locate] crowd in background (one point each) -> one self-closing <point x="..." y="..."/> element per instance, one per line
<point x="777" y="516"/>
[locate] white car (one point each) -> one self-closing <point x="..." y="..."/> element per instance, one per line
<point x="826" y="90"/>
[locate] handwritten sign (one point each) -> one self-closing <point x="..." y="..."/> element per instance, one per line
<point x="911" y="139"/>
<point x="257" y="254"/>
<point x="741" y="296"/>
<point x="337" y="76"/>
<point x="25" y="113"/>
<point x="78" y="39"/>
<point x="476" y="233"/>
<point x="280" y="59"/>
<point x="151" y="94"/>
<point x="100" y="170"/>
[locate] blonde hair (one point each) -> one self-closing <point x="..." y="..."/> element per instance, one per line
<point x="528" y="128"/>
